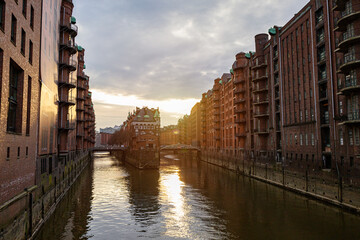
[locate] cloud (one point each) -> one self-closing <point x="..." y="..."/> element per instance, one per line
<point x="167" y="49"/>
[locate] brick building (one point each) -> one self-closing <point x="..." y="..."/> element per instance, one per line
<point x="195" y="125"/>
<point x="184" y="126"/>
<point x="295" y="99"/>
<point x="143" y="127"/>
<point x="40" y="93"/>
<point x="19" y="92"/>
<point x="169" y="135"/>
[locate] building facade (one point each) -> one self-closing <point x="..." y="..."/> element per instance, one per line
<point x="20" y="95"/>
<point x="40" y="89"/>
<point x="143" y="129"/>
<point x="293" y="100"/>
<point x="169" y="135"/>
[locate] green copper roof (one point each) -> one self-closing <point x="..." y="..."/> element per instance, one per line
<point x="232" y="71"/>
<point x="272" y="31"/>
<point x="138" y="116"/>
<point x="84" y="66"/>
<point x="156" y="114"/>
<point x="205" y="96"/>
<point x="73" y="20"/>
<point x="79" y="48"/>
<point x="247" y="55"/>
<point x="220" y="82"/>
<point x="146" y="116"/>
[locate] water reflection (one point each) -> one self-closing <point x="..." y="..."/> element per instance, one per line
<point x="189" y="200"/>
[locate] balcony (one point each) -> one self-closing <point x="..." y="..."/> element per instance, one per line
<point x="261" y="131"/>
<point x="239" y="100"/>
<point x="347" y="40"/>
<point x="242" y="120"/>
<point x="239" y="90"/>
<point x="80" y="108"/>
<point x="257" y="78"/>
<point x="80" y="97"/>
<point x="80" y="134"/>
<point x="68" y="63"/>
<point x="238" y="110"/>
<point x="238" y="81"/>
<point x="260" y="89"/>
<point x="66" y="126"/>
<point x="69" y="27"/>
<point x="261" y="101"/>
<point x="347" y="17"/>
<point x="67" y="82"/>
<point x="67" y="100"/>
<point x="353" y="117"/>
<point x="339" y="5"/>
<point x="261" y="114"/>
<point x="351" y="61"/>
<point x="68" y="45"/>
<point x="260" y="65"/>
<point x="240" y="135"/>
<point x="81" y="75"/>
<point x="350" y="85"/>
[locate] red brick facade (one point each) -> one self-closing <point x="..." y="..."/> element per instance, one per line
<point x="18" y="143"/>
<point x="296" y="98"/>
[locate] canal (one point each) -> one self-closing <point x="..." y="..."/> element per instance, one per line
<point x="188" y="200"/>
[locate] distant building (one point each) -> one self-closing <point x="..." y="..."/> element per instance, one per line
<point x="169" y="135"/>
<point x="143" y="127"/>
<point x="110" y="130"/>
<point x="195" y="121"/>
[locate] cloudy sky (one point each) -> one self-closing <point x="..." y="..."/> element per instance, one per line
<point x="166" y="53"/>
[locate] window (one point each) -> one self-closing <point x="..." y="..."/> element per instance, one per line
<point x="27" y="152"/>
<point x="306" y="139"/>
<point x="351" y="161"/>
<point x="341" y="136"/>
<point x="24" y="8"/>
<point x="43" y="165"/>
<point x="2" y="15"/>
<point x="23" y="39"/>
<point x="8" y="153"/>
<point x="30" y="51"/>
<point x="301" y="139"/>
<point x="15" y="98"/>
<point x="32" y="18"/>
<point x="351" y="139"/>
<point x="18" y="153"/>
<point x="13" y="29"/>
<point x="357" y="140"/>
<point x="312" y="139"/>
<point x="295" y="139"/>
<point x="50" y="165"/>
<point x="28" y="107"/>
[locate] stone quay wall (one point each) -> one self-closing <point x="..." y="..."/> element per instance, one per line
<point x="33" y="207"/>
<point x="328" y="186"/>
<point x="141" y="159"/>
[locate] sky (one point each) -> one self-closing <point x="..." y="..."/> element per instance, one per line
<point x="166" y="53"/>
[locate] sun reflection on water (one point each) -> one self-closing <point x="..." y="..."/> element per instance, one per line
<point x="177" y="224"/>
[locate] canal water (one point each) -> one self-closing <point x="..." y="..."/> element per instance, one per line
<point x="188" y="200"/>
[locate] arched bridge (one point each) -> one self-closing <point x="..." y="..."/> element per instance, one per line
<point x="179" y="147"/>
<point x="108" y="149"/>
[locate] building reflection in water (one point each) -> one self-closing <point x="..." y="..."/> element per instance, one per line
<point x="72" y="217"/>
<point x="143" y="189"/>
<point x="189" y="200"/>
